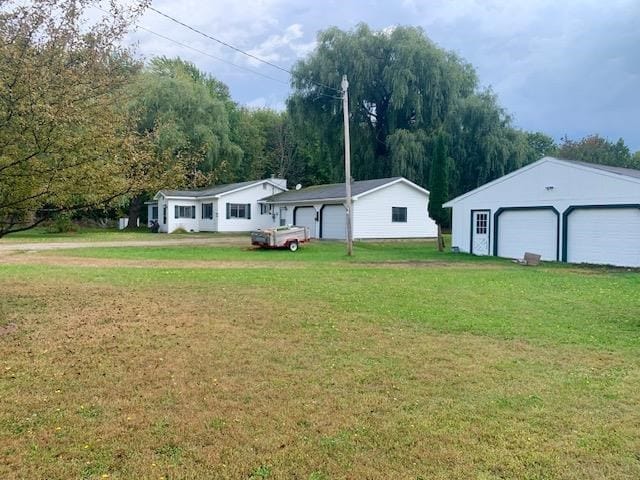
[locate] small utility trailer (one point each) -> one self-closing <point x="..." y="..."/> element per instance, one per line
<point x="280" y="237"/>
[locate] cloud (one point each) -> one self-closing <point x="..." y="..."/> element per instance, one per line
<point x="560" y="67"/>
<point x="285" y="46"/>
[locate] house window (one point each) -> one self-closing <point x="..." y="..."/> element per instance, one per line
<point x="164" y="215"/>
<point x="207" y="211"/>
<point x="185" y="212"/>
<point x="264" y="209"/>
<point x="481" y="223"/>
<point x="154" y="213"/>
<point x="399" y="214"/>
<point x="239" y="210"/>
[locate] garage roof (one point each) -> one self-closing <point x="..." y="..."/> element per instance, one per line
<point x="335" y="191"/>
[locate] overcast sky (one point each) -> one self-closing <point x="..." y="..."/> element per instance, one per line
<point x="568" y="67"/>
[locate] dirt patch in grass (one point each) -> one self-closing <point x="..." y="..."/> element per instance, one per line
<point x="200" y="381"/>
<point x="32" y="258"/>
<point x="8" y="329"/>
<point x="35" y="258"/>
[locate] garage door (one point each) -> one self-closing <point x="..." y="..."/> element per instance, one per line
<point x="306" y="217"/>
<point x="334" y="222"/>
<point x="608" y="236"/>
<point x="529" y="230"/>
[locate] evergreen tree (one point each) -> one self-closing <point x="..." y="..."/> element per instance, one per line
<point x="439" y="188"/>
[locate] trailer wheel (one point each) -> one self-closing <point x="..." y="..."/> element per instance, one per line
<point x="293" y="246"/>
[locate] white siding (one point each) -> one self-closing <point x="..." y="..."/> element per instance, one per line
<point x="372" y="214"/>
<point x="532" y="231"/>
<point x="188" y="224"/>
<point x="162" y="204"/>
<point x="548" y="182"/>
<point x="206" y="224"/>
<point x="334" y="222"/>
<point x="251" y="196"/>
<point x="607" y="236"/>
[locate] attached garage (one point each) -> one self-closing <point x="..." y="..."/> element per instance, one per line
<point x="306" y="217"/>
<point x="520" y="230"/>
<point x="564" y="210"/>
<point x="333" y="222"/>
<point x="603" y="234"/>
<point x="382" y="208"/>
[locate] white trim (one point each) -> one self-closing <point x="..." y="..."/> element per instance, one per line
<point x="353" y="198"/>
<point x="388" y="184"/>
<point x="526" y="168"/>
<point x="218" y="195"/>
<point x="259" y="182"/>
<point x="311" y="201"/>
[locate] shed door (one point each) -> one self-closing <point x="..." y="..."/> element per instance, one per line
<point x="334" y="222"/>
<point x="608" y="236"/>
<point x="480" y="232"/>
<point x="534" y="231"/>
<point x="306" y="217"/>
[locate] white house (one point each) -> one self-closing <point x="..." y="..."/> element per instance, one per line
<point x="562" y="209"/>
<point x="382" y="208"/>
<point x="223" y="208"/>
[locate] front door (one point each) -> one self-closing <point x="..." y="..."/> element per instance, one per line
<point x="283" y="216"/>
<point x="480" y="232"/>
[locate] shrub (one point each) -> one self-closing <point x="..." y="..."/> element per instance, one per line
<point x="62" y="224"/>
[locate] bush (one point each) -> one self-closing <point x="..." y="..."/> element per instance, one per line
<point x="179" y="230"/>
<point x="62" y="224"/>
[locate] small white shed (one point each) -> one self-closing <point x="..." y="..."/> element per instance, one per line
<point x="563" y="210"/>
<point x="382" y="208"/>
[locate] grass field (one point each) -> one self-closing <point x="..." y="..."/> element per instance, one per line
<point x="224" y="362"/>
<point x="90" y="234"/>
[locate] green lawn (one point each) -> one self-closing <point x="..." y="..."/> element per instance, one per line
<point x="313" y="252"/>
<point x="399" y="363"/>
<point x="89" y="234"/>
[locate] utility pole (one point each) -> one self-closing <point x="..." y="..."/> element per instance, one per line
<point x="347" y="162"/>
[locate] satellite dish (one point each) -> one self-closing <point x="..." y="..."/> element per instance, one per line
<point x="298" y="187"/>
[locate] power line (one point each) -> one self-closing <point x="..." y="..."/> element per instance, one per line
<point x="211" y="37"/>
<point x="202" y="52"/>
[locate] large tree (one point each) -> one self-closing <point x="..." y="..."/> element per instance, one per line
<point x="65" y="142"/>
<point x="403" y="89"/>
<point x="596" y="149"/>
<point x="186" y="114"/>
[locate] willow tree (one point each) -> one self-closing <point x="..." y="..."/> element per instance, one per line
<point x="403" y="89"/>
<point x="186" y="114"/>
<point x="65" y="142"/>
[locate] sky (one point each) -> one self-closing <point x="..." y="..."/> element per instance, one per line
<point x="563" y="68"/>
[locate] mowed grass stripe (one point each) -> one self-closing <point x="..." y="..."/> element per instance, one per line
<point x="556" y="306"/>
<point x="479" y="369"/>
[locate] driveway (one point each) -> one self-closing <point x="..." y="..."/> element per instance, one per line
<point x="235" y="240"/>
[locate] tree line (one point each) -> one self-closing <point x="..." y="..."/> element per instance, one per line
<point x="87" y="127"/>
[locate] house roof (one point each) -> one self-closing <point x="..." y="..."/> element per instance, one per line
<point x="335" y="191"/>
<point x="626" y="172"/>
<point x="211" y="191"/>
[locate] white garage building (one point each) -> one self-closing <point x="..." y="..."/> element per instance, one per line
<point x="382" y="208"/>
<point x="563" y="210"/>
